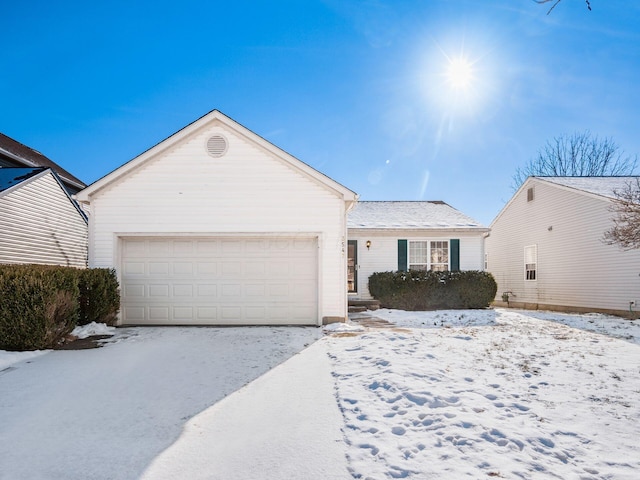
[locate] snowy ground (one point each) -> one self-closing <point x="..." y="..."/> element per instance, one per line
<point x="504" y="394"/>
<point x="443" y="395"/>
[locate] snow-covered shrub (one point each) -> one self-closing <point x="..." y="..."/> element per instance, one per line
<point x="99" y="296"/>
<point x="38" y="305"/>
<point x="430" y="290"/>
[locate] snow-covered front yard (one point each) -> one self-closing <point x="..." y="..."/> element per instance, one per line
<point x="442" y="395"/>
<point x="503" y="394"/>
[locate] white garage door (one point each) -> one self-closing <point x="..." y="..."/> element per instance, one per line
<point x="219" y="281"/>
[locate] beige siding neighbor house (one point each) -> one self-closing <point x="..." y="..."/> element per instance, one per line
<point x="546" y="248"/>
<point x="390" y="236"/>
<point x="39" y="222"/>
<point x="217" y="226"/>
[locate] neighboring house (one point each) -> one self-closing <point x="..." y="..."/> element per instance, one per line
<point x="390" y="236"/>
<point x="217" y="226"/>
<point x="39" y="222"/>
<point x="546" y="248"/>
<point x="15" y="154"/>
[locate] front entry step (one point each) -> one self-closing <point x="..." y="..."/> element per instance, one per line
<point x="363" y="305"/>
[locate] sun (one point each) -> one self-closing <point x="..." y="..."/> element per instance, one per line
<point x="460" y="73"/>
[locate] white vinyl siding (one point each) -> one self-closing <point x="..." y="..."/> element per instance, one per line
<point x="247" y="191"/>
<point x="382" y="256"/>
<point x="39" y="224"/>
<point x="567" y="226"/>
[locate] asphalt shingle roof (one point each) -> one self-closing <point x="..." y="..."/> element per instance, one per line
<point x="28" y="157"/>
<point x="603" y="186"/>
<point x="409" y="215"/>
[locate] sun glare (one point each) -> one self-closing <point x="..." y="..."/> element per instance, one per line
<point x="460" y="73"/>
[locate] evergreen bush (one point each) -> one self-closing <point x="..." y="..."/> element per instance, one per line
<point x="41" y="304"/>
<point x="431" y="290"/>
<point x="38" y="306"/>
<point x="99" y="296"/>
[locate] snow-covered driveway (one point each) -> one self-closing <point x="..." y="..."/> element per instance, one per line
<point x="107" y="413"/>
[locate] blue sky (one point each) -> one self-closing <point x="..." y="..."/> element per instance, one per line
<point x="357" y="89"/>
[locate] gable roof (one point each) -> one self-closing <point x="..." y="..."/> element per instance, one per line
<point x="209" y="118"/>
<point x="17" y="154"/>
<point x="602" y="186"/>
<point x="598" y="187"/>
<point x="10" y="177"/>
<point x="413" y="215"/>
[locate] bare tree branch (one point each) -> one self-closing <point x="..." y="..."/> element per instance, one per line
<point x="577" y="155"/>
<point x="557" y="2"/>
<point x="626" y="224"/>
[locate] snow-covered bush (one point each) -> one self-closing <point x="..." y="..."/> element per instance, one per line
<point x="430" y="290"/>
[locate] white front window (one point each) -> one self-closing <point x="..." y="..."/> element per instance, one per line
<point x="429" y="255"/>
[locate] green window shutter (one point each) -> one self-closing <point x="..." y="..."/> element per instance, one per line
<point x="402" y="255"/>
<point x="454" y="251"/>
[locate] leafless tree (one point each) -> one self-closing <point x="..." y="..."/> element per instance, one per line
<point x="577" y="155"/>
<point x="626" y="224"/>
<point x="556" y="2"/>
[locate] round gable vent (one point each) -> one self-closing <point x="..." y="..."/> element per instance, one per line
<point x="217" y="146"/>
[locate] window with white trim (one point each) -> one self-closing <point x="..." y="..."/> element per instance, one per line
<point x="530" y="262"/>
<point x="440" y="256"/>
<point x="429" y="255"/>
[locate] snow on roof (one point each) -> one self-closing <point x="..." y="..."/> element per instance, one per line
<point x="603" y="186"/>
<point x="409" y="215"/>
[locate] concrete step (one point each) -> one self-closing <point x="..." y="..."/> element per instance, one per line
<point x="367" y="304"/>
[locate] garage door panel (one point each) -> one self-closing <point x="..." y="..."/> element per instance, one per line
<point x="134" y="268"/>
<point x="161" y="291"/>
<point x="207" y="290"/>
<point x="220" y="281"/>
<point x="159" y="314"/>
<point x="206" y="314"/>
<point x="183" y="290"/>
<point x="159" y="247"/>
<point x="206" y="268"/>
<point x="158" y="268"/>
<point x="182" y="313"/>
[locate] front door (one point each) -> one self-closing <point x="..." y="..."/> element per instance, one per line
<point x="352" y="266"/>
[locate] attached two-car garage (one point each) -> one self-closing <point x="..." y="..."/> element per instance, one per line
<point x="219" y="280"/>
<point x="217" y="226"/>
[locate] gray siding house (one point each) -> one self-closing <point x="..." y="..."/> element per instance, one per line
<point x="546" y="248"/>
<point x="39" y="221"/>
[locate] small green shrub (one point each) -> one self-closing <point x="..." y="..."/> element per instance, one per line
<point x="430" y="290"/>
<point x="99" y="296"/>
<point x="41" y="304"/>
<point x="38" y="305"/>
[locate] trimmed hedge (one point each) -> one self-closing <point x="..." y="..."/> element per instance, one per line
<point x="41" y="304"/>
<point x="431" y="290"/>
